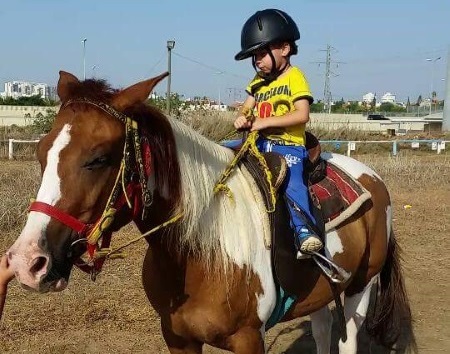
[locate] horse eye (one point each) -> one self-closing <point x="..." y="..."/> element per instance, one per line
<point x="97" y="162"/>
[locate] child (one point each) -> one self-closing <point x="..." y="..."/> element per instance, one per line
<point x="280" y="95"/>
<point x="6" y="275"/>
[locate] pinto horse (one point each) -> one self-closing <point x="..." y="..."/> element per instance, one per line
<point x="208" y="274"/>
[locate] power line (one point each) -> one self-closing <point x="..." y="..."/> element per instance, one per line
<point x="157" y="63"/>
<point x="235" y="92"/>
<point x="327" y="97"/>
<point x="210" y="67"/>
<point x="402" y="57"/>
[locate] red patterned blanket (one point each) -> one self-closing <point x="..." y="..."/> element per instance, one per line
<point x="337" y="195"/>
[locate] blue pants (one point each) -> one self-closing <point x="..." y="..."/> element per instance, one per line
<point x="295" y="187"/>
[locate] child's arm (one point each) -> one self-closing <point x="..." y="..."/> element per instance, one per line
<point x="299" y="116"/>
<point x="6" y="275"/>
<point x="241" y="121"/>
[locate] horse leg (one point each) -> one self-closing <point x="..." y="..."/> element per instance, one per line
<point x="180" y="345"/>
<point x="355" y="310"/>
<point x="247" y="341"/>
<point x="321" y="322"/>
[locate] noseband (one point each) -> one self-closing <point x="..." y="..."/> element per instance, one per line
<point x="128" y="191"/>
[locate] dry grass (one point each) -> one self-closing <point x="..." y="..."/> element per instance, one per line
<point x="409" y="170"/>
<point x="219" y="125"/>
<point x="18" y="184"/>
<point x="213" y="125"/>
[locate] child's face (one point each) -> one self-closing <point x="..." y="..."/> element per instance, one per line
<point x="280" y="53"/>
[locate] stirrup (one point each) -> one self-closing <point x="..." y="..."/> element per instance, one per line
<point x="334" y="272"/>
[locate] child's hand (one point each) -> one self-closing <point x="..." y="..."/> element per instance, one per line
<point x="6" y="272"/>
<point x="242" y="122"/>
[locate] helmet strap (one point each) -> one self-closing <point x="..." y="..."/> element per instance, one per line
<point x="274" y="72"/>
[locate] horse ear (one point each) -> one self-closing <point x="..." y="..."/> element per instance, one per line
<point x="65" y="80"/>
<point x="137" y="93"/>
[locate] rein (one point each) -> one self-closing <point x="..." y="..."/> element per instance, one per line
<point x="136" y="160"/>
<point x="249" y="146"/>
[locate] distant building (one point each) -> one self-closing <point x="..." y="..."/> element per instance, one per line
<point x="388" y="98"/>
<point x="369" y="97"/>
<point x="204" y="103"/>
<point x="16" y="89"/>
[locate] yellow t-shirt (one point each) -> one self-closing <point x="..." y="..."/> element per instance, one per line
<point x="277" y="99"/>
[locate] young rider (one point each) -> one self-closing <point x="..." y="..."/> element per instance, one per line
<point x="280" y="97"/>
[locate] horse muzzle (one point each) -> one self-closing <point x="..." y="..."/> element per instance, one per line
<point x="34" y="272"/>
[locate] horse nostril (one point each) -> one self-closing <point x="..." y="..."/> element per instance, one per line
<point x="38" y="264"/>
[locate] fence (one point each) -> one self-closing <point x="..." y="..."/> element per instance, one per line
<point x="433" y="144"/>
<point x="13" y="150"/>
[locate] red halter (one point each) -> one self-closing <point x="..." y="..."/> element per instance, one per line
<point x="83" y="230"/>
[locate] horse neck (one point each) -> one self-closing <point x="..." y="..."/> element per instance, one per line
<point x="216" y="228"/>
<point x="201" y="163"/>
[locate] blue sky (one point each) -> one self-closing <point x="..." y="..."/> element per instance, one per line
<point x="383" y="44"/>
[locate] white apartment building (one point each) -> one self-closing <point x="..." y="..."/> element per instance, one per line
<point x="388" y="98"/>
<point x="16" y="89"/>
<point x="369" y="97"/>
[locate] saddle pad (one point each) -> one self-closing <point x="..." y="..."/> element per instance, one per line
<point x="338" y="195"/>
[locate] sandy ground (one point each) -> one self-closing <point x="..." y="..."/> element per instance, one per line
<point x="113" y="315"/>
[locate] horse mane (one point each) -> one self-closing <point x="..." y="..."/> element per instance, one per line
<point x="93" y="89"/>
<point x="158" y="131"/>
<point x="216" y="228"/>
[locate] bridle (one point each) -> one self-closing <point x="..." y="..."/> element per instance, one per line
<point x="130" y="191"/>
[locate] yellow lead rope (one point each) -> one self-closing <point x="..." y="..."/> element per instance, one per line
<point x="250" y="147"/>
<point x="108" y="252"/>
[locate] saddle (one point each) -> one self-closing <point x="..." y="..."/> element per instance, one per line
<point x="335" y="197"/>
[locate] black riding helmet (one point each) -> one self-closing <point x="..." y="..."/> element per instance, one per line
<point x="267" y="27"/>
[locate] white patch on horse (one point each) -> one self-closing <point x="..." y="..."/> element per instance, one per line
<point x="333" y="244"/>
<point x="49" y="192"/>
<point x="219" y="225"/>
<point x="355" y="168"/>
<point x="388" y="221"/>
<point x="355" y="311"/>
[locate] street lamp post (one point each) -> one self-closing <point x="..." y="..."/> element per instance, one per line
<point x="84" y="58"/>
<point x="170" y="46"/>
<point x="218" y="73"/>
<point x="432" y="61"/>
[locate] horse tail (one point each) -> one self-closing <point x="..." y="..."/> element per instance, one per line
<point x="389" y="320"/>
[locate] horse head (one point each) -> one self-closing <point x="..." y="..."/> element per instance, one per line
<point x="84" y="176"/>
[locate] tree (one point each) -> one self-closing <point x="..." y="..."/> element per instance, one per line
<point x="176" y="103"/>
<point x="42" y="124"/>
<point x="317" y="107"/>
<point x="390" y="107"/>
<point x="419" y="100"/>
<point x="354" y="107"/>
<point x="35" y="100"/>
<point x="338" y="105"/>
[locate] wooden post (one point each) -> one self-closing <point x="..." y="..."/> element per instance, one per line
<point x="10" y="149"/>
